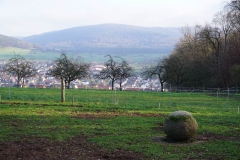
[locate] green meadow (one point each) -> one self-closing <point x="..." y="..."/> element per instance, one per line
<point x="122" y="120"/>
<point x="8" y="52"/>
<point x="38" y="55"/>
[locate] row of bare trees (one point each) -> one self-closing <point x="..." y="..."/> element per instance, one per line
<point x="206" y="56"/>
<point x="69" y="69"/>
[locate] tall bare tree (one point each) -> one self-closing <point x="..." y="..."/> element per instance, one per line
<point x="115" y="70"/>
<point x="213" y="39"/>
<point x="21" y="68"/>
<point x="175" y="65"/>
<point x="68" y="70"/>
<point x="124" y="71"/>
<point x="233" y="7"/>
<point x="158" y="70"/>
<point x="111" y="71"/>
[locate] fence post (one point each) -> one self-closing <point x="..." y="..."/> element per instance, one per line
<point x="170" y="95"/>
<point x="115" y="101"/>
<point x="9" y="94"/>
<point x="72" y="100"/>
<point x="227" y="100"/>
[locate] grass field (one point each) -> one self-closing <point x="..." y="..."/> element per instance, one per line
<point x="8" y="52"/>
<point x="96" y="124"/>
<point x="37" y="55"/>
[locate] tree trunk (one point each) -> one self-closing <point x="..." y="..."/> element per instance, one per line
<point x="23" y="83"/>
<point x="161" y="86"/>
<point x="18" y="82"/>
<point x="68" y="86"/>
<point x="120" y="83"/>
<point x="112" y="84"/>
<point x="177" y="87"/>
<point x="62" y="90"/>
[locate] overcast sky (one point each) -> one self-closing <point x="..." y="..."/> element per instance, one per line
<point x="29" y="17"/>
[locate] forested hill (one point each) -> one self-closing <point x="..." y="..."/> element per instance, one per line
<point x="6" y="41"/>
<point x="109" y="37"/>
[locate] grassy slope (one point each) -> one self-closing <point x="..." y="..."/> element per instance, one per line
<point x="127" y="120"/>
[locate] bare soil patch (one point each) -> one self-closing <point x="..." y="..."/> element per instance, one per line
<point x="96" y="115"/>
<point x="74" y="148"/>
<point x="196" y="139"/>
<point x="166" y="140"/>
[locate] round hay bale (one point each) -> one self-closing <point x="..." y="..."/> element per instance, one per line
<point x="180" y="126"/>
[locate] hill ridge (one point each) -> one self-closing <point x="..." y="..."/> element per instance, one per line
<point x="6" y="41"/>
<point x="108" y="36"/>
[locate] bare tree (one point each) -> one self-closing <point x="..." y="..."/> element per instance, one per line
<point x="233" y="7"/>
<point x="175" y="66"/>
<point x="111" y="71"/>
<point x="75" y="69"/>
<point x="21" y="68"/>
<point x="124" y="71"/>
<point x="158" y="70"/>
<point x="195" y="56"/>
<point x="212" y="38"/>
<point x="116" y="70"/>
<point x="68" y="70"/>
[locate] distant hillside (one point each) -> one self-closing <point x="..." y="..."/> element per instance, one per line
<point x="6" y="41"/>
<point x="109" y="38"/>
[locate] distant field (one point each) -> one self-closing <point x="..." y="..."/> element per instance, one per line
<point x="95" y="124"/>
<point x="8" y="52"/>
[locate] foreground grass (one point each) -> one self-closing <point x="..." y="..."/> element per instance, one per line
<point x="127" y="120"/>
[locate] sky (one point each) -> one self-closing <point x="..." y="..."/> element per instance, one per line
<point x="30" y="17"/>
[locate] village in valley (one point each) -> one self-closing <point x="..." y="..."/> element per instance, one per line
<point x="42" y="80"/>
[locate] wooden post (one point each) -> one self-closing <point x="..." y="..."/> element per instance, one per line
<point x="62" y="90"/>
<point x="72" y="100"/>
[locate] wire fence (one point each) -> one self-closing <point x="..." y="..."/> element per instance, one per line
<point x="223" y="99"/>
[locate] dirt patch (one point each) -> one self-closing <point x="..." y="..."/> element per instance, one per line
<point x="96" y="115"/>
<point x="196" y="139"/>
<point x="75" y="148"/>
<point x="212" y="136"/>
<point x="169" y="141"/>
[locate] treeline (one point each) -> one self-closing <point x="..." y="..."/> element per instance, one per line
<point x="205" y="56"/>
<point x="6" y="41"/>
